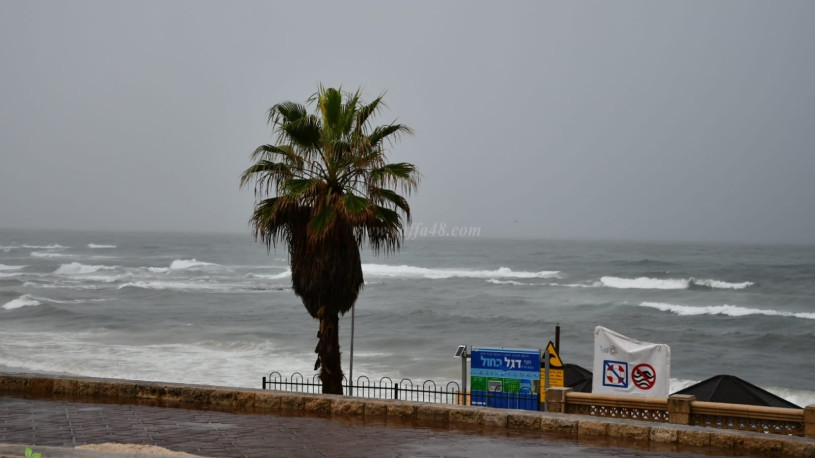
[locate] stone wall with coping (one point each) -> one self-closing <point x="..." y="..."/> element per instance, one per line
<point x="266" y="401"/>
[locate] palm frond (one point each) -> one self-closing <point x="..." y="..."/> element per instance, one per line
<point x="381" y="133"/>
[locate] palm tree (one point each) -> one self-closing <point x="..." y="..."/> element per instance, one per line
<point x="324" y="189"/>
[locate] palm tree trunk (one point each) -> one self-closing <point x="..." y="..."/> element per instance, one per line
<point x="328" y="352"/>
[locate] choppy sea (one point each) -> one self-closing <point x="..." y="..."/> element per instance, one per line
<point x="217" y="309"/>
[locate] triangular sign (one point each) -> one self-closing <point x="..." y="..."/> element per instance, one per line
<point x="554" y="358"/>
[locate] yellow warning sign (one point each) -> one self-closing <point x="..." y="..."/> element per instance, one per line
<point x="556" y="372"/>
<point x="554" y="358"/>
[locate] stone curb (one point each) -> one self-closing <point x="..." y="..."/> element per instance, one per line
<point x="267" y="401"/>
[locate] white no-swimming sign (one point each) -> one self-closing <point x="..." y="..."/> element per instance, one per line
<point x="626" y="366"/>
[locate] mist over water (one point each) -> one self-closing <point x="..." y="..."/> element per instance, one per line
<point x="217" y="309"/>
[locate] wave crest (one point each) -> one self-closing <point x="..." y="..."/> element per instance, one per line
<point x="179" y="264"/>
<point x="95" y="246"/>
<point x="669" y="283"/>
<point x="26" y="300"/>
<point x="727" y="310"/>
<point x="5" y="267"/>
<point x="76" y="268"/>
<point x="405" y="271"/>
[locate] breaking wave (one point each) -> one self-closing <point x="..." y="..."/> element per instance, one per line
<point x="96" y="246"/>
<point x="404" y="271"/>
<point x="76" y="268"/>
<point x="47" y="254"/>
<point x="25" y="300"/>
<point x="189" y="264"/>
<point x="669" y="283"/>
<point x="279" y="276"/>
<point x="5" y="267"/>
<point x="727" y="310"/>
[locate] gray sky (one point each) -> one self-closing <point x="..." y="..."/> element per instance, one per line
<point x="643" y="120"/>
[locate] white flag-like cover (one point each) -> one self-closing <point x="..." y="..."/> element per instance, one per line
<point x="625" y="366"/>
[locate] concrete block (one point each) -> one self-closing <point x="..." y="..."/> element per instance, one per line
<point x="765" y="445"/>
<point x="40" y="386"/>
<point x="591" y="428"/>
<point x="127" y="390"/>
<point x="809" y="421"/>
<point x="64" y="387"/>
<point x="291" y="402"/>
<point x="693" y="437"/>
<point x="220" y="397"/>
<point x="664" y="435"/>
<point x="317" y="405"/>
<point x="524" y="420"/>
<point x="560" y="425"/>
<point x="146" y="391"/>
<point x="345" y="407"/>
<point x="375" y="408"/>
<point x="268" y="401"/>
<point x="726" y="440"/>
<point x="630" y="431"/>
<point x="464" y="415"/>
<point x="399" y="410"/>
<point x="494" y="417"/>
<point x="804" y="448"/>
<point x="244" y="399"/>
<point x="13" y="384"/>
<point x="433" y="413"/>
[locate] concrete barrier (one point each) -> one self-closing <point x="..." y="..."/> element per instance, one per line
<point x="277" y="402"/>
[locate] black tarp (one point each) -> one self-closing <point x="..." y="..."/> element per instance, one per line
<point x="577" y="378"/>
<point x="733" y="390"/>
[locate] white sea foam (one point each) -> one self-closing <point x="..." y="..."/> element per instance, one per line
<point x="668" y="283"/>
<point x="5" y="267"/>
<point x="26" y="300"/>
<point x="99" y="246"/>
<point x="717" y="284"/>
<point x="728" y="310"/>
<point x="47" y="254"/>
<point x="279" y="276"/>
<point x="55" y="246"/>
<point x="644" y="283"/>
<point x="507" y="282"/>
<point x="189" y="264"/>
<point x="177" y="285"/>
<point x="76" y="268"/>
<point x="403" y="271"/>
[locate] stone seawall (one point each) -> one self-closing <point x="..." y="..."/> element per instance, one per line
<point x="274" y="402"/>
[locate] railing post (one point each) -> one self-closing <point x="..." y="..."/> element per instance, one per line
<point x="264" y="382"/>
<point x="556" y="399"/>
<point x="395" y="391"/>
<point x="679" y="408"/>
<point x="809" y="421"/>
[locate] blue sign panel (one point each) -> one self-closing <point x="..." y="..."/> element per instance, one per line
<point x="505" y="378"/>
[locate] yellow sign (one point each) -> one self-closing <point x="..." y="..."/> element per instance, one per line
<point x="556" y="372"/>
<point x="554" y="359"/>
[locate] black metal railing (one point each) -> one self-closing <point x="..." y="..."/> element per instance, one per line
<point x="405" y="390"/>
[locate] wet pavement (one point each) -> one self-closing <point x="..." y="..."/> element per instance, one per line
<point x="66" y="424"/>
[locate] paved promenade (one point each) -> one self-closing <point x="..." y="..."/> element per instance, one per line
<point x="44" y="424"/>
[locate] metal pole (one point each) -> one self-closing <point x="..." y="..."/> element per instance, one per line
<point x="557" y="339"/>
<point x="351" y="365"/>
<point x="464" y="376"/>
<point x="546" y="370"/>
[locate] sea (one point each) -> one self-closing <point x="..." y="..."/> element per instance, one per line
<point x="218" y="309"/>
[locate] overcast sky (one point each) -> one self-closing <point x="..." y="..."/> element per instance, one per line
<point x="642" y="120"/>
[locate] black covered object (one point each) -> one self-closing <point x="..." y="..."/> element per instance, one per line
<point x="577" y="378"/>
<point x="733" y="390"/>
